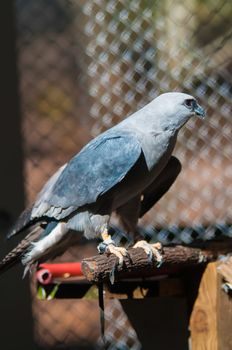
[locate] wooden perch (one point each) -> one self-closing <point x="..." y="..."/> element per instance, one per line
<point x="99" y="268"/>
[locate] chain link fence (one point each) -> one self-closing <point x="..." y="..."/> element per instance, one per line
<point x="85" y="65"/>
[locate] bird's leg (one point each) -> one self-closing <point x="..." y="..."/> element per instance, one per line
<point x="108" y="246"/>
<point x="152" y="250"/>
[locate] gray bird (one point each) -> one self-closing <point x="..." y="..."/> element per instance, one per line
<point x="126" y="170"/>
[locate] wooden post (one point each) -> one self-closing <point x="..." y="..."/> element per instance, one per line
<point x="224" y="317"/>
<point x="15" y="310"/>
<point x="211" y="318"/>
<point x="203" y="322"/>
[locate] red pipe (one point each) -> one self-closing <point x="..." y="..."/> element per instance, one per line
<point x="47" y="272"/>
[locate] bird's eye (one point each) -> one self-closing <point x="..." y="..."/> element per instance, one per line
<point x="188" y="103"/>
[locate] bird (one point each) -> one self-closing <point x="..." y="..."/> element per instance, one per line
<point x="124" y="170"/>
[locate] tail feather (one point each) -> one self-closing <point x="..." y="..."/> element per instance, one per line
<point x="14" y="256"/>
<point x="22" y="222"/>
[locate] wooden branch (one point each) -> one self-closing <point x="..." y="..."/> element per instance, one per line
<point x="100" y="267"/>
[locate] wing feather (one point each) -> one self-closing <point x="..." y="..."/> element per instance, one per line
<point x="100" y="165"/>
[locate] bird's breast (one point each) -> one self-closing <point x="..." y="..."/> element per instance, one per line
<point x="157" y="148"/>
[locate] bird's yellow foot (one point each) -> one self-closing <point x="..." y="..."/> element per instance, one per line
<point x="119" y="252"/>
<point x="152" y="250"/>
<point x="108" y="246"/>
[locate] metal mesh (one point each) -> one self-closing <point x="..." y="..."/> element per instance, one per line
<point x="85" y="65"/>
<point x="132" y="58"/>
<point x="79" y="325"/>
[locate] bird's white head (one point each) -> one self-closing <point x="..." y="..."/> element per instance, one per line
<point x="173" y="109"/>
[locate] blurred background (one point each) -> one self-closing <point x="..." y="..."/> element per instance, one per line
<point x="73" y="68"/>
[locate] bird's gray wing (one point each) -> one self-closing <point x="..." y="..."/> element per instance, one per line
<point x="100" y="165"/>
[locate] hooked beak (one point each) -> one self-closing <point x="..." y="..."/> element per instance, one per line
<point x="199" y="111"/>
